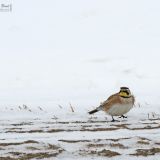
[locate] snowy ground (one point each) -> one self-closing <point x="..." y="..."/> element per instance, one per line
<point x="58" y="54"/>
<point x="63" y="134"/>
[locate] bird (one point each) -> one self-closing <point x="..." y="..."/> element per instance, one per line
<point x="117" y="104"/>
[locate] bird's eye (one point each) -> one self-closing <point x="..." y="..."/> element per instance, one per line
<point x="127" y="92"/>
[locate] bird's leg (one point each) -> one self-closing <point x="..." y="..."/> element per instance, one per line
<point x="113" y="120"/>
<point x="122" y="116"/>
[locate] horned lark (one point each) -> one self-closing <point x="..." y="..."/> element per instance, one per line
<point x="117" y="104"/>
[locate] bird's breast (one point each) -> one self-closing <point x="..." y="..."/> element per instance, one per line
<point x="119" y="109"/>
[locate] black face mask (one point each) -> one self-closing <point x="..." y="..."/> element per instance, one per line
<point x="127" y="92"/>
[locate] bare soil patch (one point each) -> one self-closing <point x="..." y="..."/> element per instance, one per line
<point x="146" y="152"/>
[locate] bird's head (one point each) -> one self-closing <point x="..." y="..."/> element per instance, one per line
<point x="125" y="92"/>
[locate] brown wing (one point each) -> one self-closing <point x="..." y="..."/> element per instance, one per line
<point x="113" y="99"/>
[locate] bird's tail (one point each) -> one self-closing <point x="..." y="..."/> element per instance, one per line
<point x="95" y="110"/>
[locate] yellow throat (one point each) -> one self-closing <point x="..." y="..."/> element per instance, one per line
<point x="123" y="94"/>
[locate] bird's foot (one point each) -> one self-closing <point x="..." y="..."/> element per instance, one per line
<point x="113" y="120"/>
<point x="123" y="116"/>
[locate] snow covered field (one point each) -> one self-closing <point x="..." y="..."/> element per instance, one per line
<point x="69" y="135"/>
<point x="59" y="55"/>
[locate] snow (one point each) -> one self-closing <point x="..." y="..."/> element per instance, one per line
<point x="58" y="54"/>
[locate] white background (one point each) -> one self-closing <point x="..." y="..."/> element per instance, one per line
<point x="60" y="52"/>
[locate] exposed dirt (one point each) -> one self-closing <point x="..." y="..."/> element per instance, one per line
<point x="22" y="124"/>
<point x="118" y="145"/>
<point x="40" y="145"/>
<point x="73" y="141"/>
<point x="28" y="156"/>
<point x="146" y="152"/>
<point x="13" y="144"/>
<point x="103" y="153"/>
<point x="108" y="153"/>
<point x="143" y="142"/>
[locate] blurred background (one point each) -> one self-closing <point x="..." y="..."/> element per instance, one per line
<point x="59" y="52"/>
